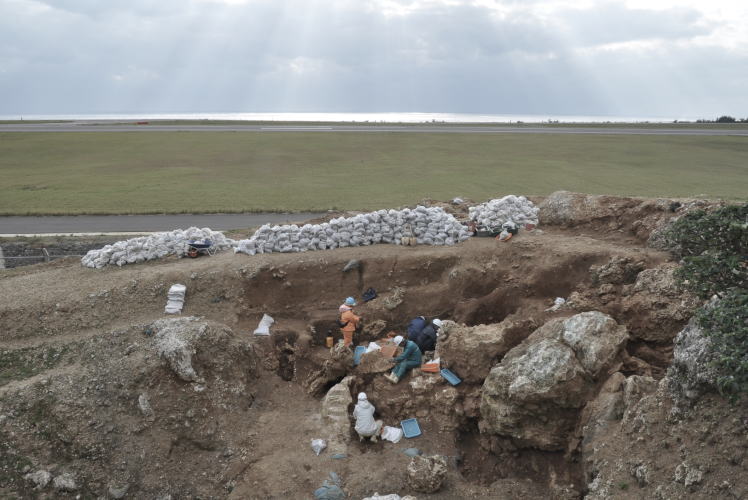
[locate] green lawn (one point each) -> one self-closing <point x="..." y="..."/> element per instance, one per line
<point x="162" y="172"/>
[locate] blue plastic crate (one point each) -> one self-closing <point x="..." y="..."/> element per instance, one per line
<point x="451" y="377"/>
<point x="410" y="428"/>
<point x="357" y="353"/>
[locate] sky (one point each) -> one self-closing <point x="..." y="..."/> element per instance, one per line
<point x="668" y="58"/>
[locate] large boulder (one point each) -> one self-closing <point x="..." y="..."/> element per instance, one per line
<point x="471" y="351"/>
<point x="534" y="394"/>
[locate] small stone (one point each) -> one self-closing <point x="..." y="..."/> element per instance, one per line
<point x="118" y="492"/>
<point x="352" y="264"/>
<point x="145" y="405"/>
<point x="40" y="478"/>
<point x="65" y="482"/>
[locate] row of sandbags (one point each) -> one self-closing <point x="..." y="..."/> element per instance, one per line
<point x="494" y="213"/>
<point x="154" y="246"/>
<point x="429" y="226"/>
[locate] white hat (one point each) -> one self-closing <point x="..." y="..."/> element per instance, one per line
<point x="437" y="322"/>
<point x="362" y="396"/>
<point x="398" y="339"/>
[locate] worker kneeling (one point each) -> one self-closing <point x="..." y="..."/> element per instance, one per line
<point x="366" y="426"/>
<point x="409" y="359"/>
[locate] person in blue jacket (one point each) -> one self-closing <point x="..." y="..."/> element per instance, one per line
<point x="426" y="340"/>
<point x="409" y="359"/>
<point x="415" y="327"/>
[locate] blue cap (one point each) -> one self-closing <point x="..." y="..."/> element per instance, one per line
<point x="350" y="301"/>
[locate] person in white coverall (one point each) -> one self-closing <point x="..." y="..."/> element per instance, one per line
<point x="366" y="426"/>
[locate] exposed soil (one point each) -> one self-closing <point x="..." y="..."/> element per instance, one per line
<point x="78" y="354"/>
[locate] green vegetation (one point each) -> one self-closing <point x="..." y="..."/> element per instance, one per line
<point x="714" y="248"/>
<point x="173" y="172"/>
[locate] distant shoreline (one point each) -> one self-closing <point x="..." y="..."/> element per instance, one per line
<point x="368" y="118"/>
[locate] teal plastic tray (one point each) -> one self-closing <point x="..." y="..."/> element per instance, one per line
<point x="410" y="428"/>
<point x="451" y="377"/>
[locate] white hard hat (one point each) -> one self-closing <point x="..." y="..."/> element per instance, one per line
<point x="362" y="396"/>
<point x="437" y="322"/>
<point x="398" y="339"/>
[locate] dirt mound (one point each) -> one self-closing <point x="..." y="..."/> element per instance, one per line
<point x="103" y="395"/>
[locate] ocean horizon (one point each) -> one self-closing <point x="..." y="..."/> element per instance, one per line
<point x="393" y="117"/>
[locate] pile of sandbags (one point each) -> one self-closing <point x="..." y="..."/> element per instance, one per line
<point x="154" y="246"/>
<point x="175" y="299"/>
<point x="494" y="213"/>
<point x="430" y="226"/>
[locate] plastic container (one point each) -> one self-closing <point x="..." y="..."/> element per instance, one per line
<point x="329" y="342"/>
<point x="410" y="428"/>
<point x="451" y="377"/>
<point x="360" y="350"/>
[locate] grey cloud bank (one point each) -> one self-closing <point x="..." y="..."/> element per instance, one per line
<point x="600" y="58"/>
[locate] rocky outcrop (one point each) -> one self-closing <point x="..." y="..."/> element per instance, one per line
<point x="534" y="394"/>
<point x="640" y="217"/>
<point x="472" y="351"/>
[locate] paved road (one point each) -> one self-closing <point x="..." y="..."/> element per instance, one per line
<point x="458" y="129"/>
<point x="140" y="223"/>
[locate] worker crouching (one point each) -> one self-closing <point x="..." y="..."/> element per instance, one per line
<point x="409" y="359"/>
<point x="366" y="426"/>
<point x="348" y="320"/>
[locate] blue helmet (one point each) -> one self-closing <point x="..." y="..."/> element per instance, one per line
<point x="350" y="301"/>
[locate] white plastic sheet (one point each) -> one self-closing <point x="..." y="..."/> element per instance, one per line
<point x="392" y="434"/>
<point x="264" y="327"/>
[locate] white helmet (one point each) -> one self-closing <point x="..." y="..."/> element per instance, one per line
<point x="398" y="339"/>
<point x="362" y="396"/>
<point x="437" y="322"/>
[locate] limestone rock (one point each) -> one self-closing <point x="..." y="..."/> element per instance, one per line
<point x="691" y="373"/>
<point x="65" y="482"/>
<point x="339" y="364"/>
<point x="472" y="351"/>
<point x="174" y="341"/>
<point x="40" y="478"/>
<point x="533" y="395"/>
<point x="335" y="420"/>
<point x="426" y="474"/>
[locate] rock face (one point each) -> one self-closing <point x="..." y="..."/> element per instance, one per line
<point x="533" y="395"/>
<point x="339" y="364"/>
<point x="472" y="351"/>
<point x="690" y="374"/>
<point x="335" y="418"/>
<point x="426" y="474"/>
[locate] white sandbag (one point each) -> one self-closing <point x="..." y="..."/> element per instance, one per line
<point x="264" y="327"/>
<point x="494" y="213"/>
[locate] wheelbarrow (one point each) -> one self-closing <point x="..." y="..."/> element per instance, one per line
<point x="204" y="247"/>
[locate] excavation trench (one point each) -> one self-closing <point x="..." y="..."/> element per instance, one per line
<point x="483" y="291"/>
<point x="248" y="425"/>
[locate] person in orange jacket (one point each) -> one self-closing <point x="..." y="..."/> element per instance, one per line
<point x="349" y="321"/>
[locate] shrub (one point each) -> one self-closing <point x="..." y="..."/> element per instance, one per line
<point x="726" y="323"/>
<point x="714" y="251"/>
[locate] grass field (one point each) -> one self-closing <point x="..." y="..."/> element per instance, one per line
<point x="165" y="172"/>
